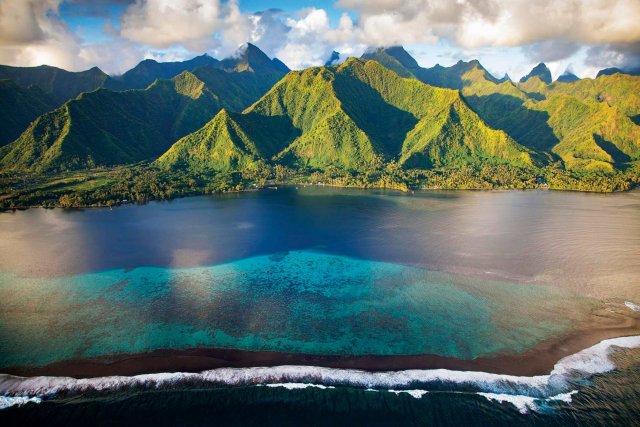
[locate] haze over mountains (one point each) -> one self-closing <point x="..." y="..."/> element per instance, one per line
<point x="225" y="115"/>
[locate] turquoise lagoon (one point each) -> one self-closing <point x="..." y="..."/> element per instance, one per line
<point x="297" y="301"/>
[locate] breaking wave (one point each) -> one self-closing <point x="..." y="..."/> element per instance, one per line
<point x="525" y="393"/>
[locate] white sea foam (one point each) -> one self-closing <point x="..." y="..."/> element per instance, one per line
<point x="9" y="401"/>
<point x="525" y="404"/>
<point x="299" y="386"/>
<point x="413" y="393"/>
<point x="592" y="360"/>
<point x="632" y="306"/>
<point x="564" y="397"/>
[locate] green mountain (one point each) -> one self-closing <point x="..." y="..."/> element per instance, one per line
<point x="591" y="135"/>
<point x="242" y="80"/>
<point x="222" y="144"/>
<point x="231" y="114"/>
<point x="530" y="112"/>
<point x="621" y="90"/>
<point x="106" y="128"/>
<point x="568" y="77"/>
<point x="504" y="79"/>
<point x="237" y="90"/>
<point x="614" y="70"/>
<point x="397" y="59"/>
<point x="350" y="116"/>
<point x="251" y="58"/>
<point x="260" y="73"/>
<point x="540" y="71"/>
<point x="62" y="85"/>
<point x="18" y="107"/>
<point x="149" y="70"/>
<point x="59" y="84"/>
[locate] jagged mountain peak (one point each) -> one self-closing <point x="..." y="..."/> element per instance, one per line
<point x="541" y="71"/>
<point x="333" y="59"/>
<point x="505" y="78"/>
<point x="615" y="70"/>
<point x="568" y="77"/>
<point x="250" y="57"/>
<point x="398" y="53"/>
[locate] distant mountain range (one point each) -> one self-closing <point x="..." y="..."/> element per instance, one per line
<point x="614" y="70"/>
<point x="53" y="87"/>
<point x="226" y="115"/>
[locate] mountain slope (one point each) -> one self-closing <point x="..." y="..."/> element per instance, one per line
<point x="581" y="123"/>
<point x="59" y="84"/>
<point x="221" y="144"/>
<point x="540" y="71"/>
<point x="251" y="58"/>
<point x="349" y="116"/>
<point x="614" y="70"/>
<point x="621" y="90"/>
<point x="568" y="77"/>
<point x="592" y="135"/>
<point x="240" y="79"/>
<point x="18" y="107"/>
<point x="107" y="128"/>
<point x="237" y="90"/>
<point x="149" y="70"/>
<point x="397" y="59"/>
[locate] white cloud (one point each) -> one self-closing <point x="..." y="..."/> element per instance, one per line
<point x="305" y="44"/>
<point x="596" y="33"/>
<point x="31" y="33"/>
<point x="112" y="57"/>
<point x="268" y="29"/>
<point x="164" y="23"/>
<point x="195" y="25"/>
<point x="623" y="55"/>
<point x="304" y="40"/>
<point x="550" y="50"/>
<point x="476" y="23"/>
<point x="25" y="21"/>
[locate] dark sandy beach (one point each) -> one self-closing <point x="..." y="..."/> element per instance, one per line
<point x="539" y="360"/>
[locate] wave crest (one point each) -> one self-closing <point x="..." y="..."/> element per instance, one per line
<point x="524" y="392"/>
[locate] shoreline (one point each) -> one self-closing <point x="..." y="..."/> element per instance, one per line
<point x="539" y="360"/>
<point x="409" y="190"/>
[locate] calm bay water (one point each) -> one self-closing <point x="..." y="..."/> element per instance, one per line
<point x="320" y="271"/>
<point x="588" y="243"/>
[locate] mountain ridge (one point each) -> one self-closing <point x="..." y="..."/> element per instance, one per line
<point x="356" y="115"/>
<point x="321" y="126"/>
<point x="519" y="109"/>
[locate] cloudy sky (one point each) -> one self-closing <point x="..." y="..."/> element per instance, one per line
<point x="507" y="36"/>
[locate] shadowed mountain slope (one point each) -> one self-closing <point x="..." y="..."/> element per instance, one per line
<point x="541" y="117"/>
<point x="149" y="70"/>
<point x="107" y="128"/>
<point x="59" y="84"/>
<point x="540" y="71"/>
<point x="18" y="107"/>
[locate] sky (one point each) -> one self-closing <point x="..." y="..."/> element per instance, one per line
<point x="507" y="36"/>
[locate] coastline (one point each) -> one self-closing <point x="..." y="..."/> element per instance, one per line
<point x="539" y="360"/>
<point x="410" y="190"/>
